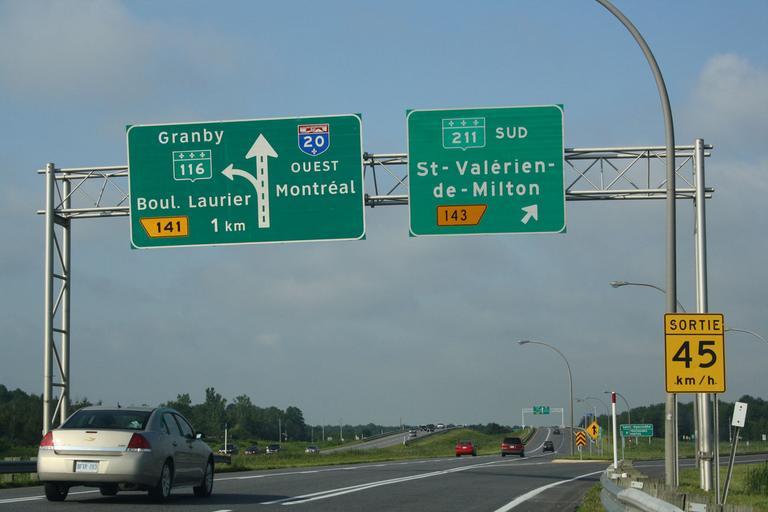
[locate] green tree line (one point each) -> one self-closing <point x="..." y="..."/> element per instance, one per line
<point x="21" y="418"/>
<point x="756" y="424"/>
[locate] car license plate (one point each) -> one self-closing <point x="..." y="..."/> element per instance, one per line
<point x="82" y="466"/>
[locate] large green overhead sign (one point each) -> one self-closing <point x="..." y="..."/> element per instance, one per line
<point x="254" y="181"/>
<point x="486" y="170"/>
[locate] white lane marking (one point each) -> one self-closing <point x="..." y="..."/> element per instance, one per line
<point x="327" y="470"/>
<point x="530" y="494"/>
<point x="34" y="498"/>
<point x="330" y="493"/>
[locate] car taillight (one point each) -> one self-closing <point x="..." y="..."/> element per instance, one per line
<point x="47" y="442"/>
<point x="138" y="443"/>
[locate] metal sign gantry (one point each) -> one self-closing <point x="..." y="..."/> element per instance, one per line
<point x="592" y="174"/>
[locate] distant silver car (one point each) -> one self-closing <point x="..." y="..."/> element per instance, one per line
<point x="125" y="449"/>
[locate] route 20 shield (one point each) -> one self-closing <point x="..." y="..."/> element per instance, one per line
<point x="314" y="139"/>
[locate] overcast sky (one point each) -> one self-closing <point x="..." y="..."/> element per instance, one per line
<point x="391" y="327"/>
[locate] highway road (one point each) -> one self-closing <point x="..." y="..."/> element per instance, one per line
<point x="483" y="483"/>
<point x="381" y="442"/>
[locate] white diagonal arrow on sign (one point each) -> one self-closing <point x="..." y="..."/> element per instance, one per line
<point x="530" y="211"/>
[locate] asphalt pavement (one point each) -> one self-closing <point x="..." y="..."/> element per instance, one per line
<point x="482" y="483"/>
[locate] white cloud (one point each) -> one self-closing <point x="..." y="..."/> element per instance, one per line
<point x="730" y="102"/>
<point x="97" y="49"/>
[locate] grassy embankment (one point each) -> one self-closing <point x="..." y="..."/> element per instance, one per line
<point x="749" y="487"/>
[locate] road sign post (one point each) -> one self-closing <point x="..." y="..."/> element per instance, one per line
<point x="486" y="170"/>
<point x="694" y="352"/>
<point x="253" y="181"/>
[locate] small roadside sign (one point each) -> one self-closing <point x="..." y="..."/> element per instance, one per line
<point x="694" y="352"/>
<point x="593" y="430"/>
<point x="637" y="430"/>
<point x="581" y="438"/>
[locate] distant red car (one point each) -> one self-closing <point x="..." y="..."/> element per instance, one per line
<point x="465" y="448"/>
<point x="512" y="446"/>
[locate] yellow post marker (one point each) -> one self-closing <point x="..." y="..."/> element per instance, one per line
<point x="694" y="346"/>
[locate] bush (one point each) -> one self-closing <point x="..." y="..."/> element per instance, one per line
<point x="756" y="479"/>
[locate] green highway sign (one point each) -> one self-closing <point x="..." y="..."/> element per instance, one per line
<point x="486" y="170"/>
<point x="252" y="181"/>
<point x="540" y="409"/>
<point x="637" y="430"/>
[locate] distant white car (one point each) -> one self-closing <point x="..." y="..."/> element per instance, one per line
<point x="127" y="449"/>
<point x="412" y="433"/>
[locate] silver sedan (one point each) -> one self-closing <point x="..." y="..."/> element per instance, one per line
<point x="125" y="449"/>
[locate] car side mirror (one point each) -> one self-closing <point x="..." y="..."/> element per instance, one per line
<point x="199" y="435"/>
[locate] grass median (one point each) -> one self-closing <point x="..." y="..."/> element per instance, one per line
<point x="434" y="446"/>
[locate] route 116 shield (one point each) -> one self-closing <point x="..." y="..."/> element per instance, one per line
<point x="314" y="139"/>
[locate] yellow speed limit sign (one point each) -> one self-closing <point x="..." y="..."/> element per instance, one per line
<point x="694" y="346"/>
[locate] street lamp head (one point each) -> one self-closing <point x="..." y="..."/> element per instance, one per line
<point x="523" y="342"/>
<point x="616" y="284"/>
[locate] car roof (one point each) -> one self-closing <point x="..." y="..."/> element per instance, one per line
<point x="115" y="408"/>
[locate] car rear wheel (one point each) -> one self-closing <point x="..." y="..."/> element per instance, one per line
<point x="522" y="454"/>
<point x="162" y="490"/>
<point x="206" y="486"/>
<point x="108" y="490"/>
<point x="503" y="454"/>
<point x="56" y="492"/>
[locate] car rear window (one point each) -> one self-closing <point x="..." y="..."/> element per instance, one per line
<point x="512" y="440"/>
<point x="118" y="419"/>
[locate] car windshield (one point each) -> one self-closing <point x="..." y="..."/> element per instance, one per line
<point x="117" y="419"/>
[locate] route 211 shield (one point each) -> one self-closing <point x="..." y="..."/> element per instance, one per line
<point x="314" y="139"/>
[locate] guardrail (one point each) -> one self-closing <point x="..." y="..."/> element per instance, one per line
<point x="616" y="498"/>
<point x="18" y="466"/>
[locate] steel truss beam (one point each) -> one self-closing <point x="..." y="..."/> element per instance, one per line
<point x="591" y="174"/>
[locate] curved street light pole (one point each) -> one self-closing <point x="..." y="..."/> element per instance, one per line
<point x="570" y="381"/>
<point x="670" y="409"/>
<point x="607" y="409"/>
<point x="733" y="329"/>
<point x="619" y="284"/>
